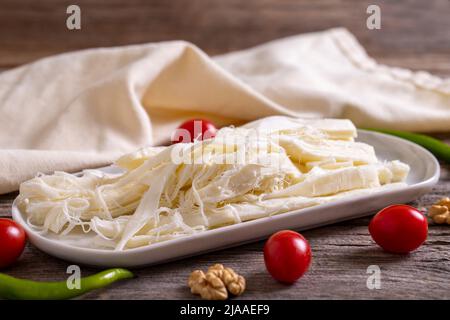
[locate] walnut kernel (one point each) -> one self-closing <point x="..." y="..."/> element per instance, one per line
<point x="216" y="283"/>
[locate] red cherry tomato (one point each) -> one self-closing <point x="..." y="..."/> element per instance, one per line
<point x="287" y="256"/>
<point x="195" y="129"/>
<point x="399" y="228"/>
<point x="12" y="242"/>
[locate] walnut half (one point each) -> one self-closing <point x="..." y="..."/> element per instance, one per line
<point x="235" y="283"/>
<point x="440" y="211"/>
<point x="216" y="283"/>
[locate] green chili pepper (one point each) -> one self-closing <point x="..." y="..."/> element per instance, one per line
<point x="14" y="288"/>
<point x="440" y="149"/>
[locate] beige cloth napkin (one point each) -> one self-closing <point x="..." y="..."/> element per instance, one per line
<point x="83" y="109"/>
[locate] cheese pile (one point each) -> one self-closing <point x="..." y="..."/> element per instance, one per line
<point x="267" y="167"/>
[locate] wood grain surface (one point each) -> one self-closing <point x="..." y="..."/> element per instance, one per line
<point x="414" y="34"/>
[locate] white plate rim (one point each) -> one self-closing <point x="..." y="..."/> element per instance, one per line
<point x="427" y="184"/>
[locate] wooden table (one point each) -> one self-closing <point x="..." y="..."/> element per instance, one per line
<point x="414" y="34"/>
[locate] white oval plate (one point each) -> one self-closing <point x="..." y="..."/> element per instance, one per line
<point x="423" y="175"/>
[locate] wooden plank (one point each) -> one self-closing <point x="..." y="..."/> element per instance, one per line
<point x="33" y="29"/>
